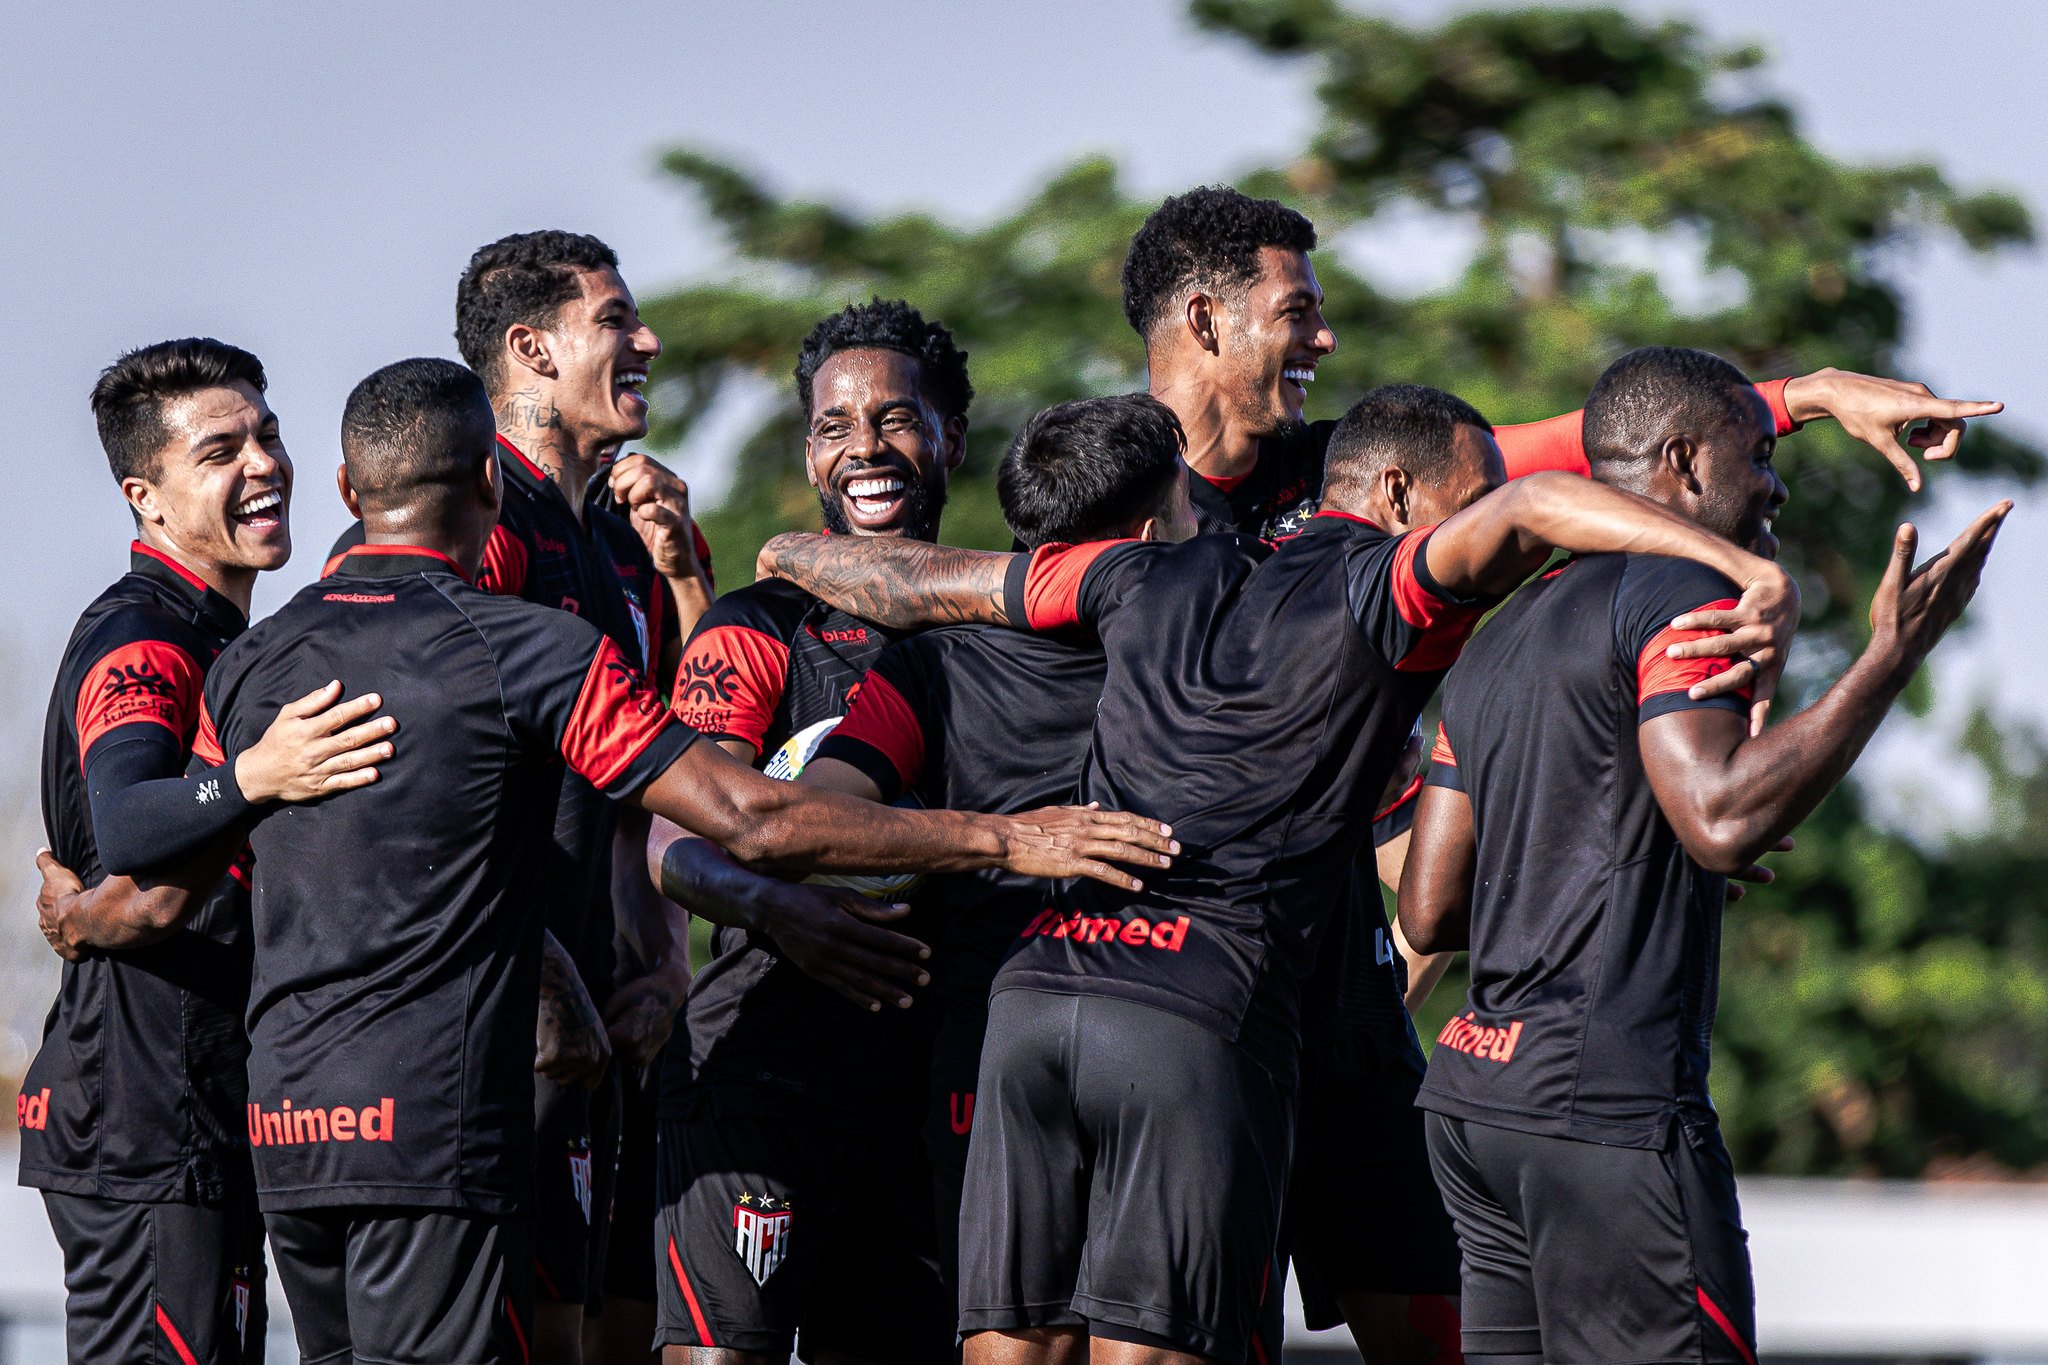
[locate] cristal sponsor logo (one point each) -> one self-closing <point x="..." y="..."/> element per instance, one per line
<point x="360" y="598"/>
<point x="707" y="680"/>
<point x="1136" y="932"/>
<point x="33" y="1111"/>
<point x="760" y="1233"/>
<point x="129" y="680"/>
<point x="289" y="1127"/>
<point x="209" y="791"/>
<point x="1467" y="1035"/>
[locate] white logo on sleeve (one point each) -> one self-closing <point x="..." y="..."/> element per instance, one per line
<point x="209" y="790"/>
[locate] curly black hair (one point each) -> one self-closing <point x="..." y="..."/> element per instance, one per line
<point x="524" y="278"/>
<point x="1655" y="391"/>
<point x="1209" y="237"/>
<point x="890" y="325"/>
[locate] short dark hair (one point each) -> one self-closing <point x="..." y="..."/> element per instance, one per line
<point x="1090" y="469"/>
<point x="1399" y="426"/>
<point x="414" y="425"/>
<point x="890" y="325"/>
<point x="128" y="399"/>
<point x="1209" y="237"/>
<point x="524" y="278"/>
<point x="1654" y="392"/>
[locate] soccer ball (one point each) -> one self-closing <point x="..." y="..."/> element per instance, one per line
<point x="786" y="764"/>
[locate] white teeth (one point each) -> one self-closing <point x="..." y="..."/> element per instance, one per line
<point x="873" y="488"/>
<point x="632" y="380"/>
<point x="262" y="502"/>
<point x="1299" y="376"/>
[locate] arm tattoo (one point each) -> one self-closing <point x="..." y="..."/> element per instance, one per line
<point x="902" y="584"/>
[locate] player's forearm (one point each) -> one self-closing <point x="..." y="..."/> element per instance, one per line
<point x="654" y="927"/>
<point x="121" y="913"/>
<point x="1761" y="789"/>
<point x="1424" y="970"/>
<point x="146" y="820"/>
<point x="692" y="597"/>
<point x="709" y="882"/>
<point x="822" y="831"/>
<point x="1580" y="516"/>
<point x="902" y="584"/>
<point x="1435" y="900"/>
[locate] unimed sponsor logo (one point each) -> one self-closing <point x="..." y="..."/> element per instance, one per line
<point x="1467" y="1035"/>
<point x="286" y="1126"/>
<point x="1136" y="932"/>
<point x="33" y="1111"/>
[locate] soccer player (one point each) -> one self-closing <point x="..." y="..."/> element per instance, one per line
<point x="979" y="718"/>
<point x="1221" y="289"/>
<point x="388" y="1089"/>
<point x="131" y="1114"/>
<point x="1136" y="1099"/>
<point x="1583" y="812"/>
<point x="792" y="1182"/>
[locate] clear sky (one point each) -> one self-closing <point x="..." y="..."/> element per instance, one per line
<point x="307" y="181"/>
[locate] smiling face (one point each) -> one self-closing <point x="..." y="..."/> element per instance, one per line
<point x="1270" y="338"/>
<point x="220" y="487"/>
<point x="1740" y="491"/>
<point x="878" y="451"/>
<point x="600" y="350"/>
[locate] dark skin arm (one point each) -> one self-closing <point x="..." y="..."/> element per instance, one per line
<point x="121" y="912"/>
<point x="783" y="827"/>
<point x="570" y="1045"/>
<point x="1730" y="797"/>
<point x="642" y="1011"/>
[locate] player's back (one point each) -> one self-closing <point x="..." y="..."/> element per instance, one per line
<point x="1595" y="938"/>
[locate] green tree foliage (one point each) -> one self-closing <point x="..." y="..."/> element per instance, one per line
<point x="1622" y="183"/>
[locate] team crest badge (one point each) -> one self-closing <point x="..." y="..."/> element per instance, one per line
<point x="242" y="1305"/>
<point x="760" y="1233"/>
<point x="579" y="1176"/>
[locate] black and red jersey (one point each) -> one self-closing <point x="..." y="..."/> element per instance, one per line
<point x="599" y="569"/>
<point x="1257" y="700"/>
<point x="984" y="719"/>
<point x="137" y="1090"/>
<point x="1595" y="939"/>
<point x="392" y="1013"/>
<point x="775" y="668"/>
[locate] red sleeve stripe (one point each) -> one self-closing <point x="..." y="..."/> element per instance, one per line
<point x="881" y="719"/>
<point x="1440" y="752"/>
<point x="657" y="618"/>
<point x="617" y="715"/>
<point x="206" y="744"/>
<point x="1445" y="626"/>
<point x="147" y="681"/>
<point x="1556" y="443"/>
<point x="1407" y="793"/>
<point x="1052" y="585"/>
<point x="1657" y="675"/>
<point x="504" y="568"/>
<point x="730" y="682"/>
<point x="1773" y="392"/>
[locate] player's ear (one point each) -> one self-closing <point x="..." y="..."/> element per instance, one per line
<point x="528" y="348"/>
<point x="1398" y="490"/>
<point x="1151" y="530"/>
<point x="487" y="478"/>
<point x="1680" y="459"/>
<point x="142" y="500"/>
<point x="1198" y="314"/>
<point x="954" y="436"/>
<point x="348" y="492"/>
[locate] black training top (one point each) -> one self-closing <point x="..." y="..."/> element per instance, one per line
<point x="775" y="668"/>
<point x="397" y="964"/>
<point x="1279" y="495"/>
<point x="138" y="1089"/>
<point x="599" y="569"/>
<point x="985" y="719"/>
<point x="1257" y="700"/>
<point x="1595" y="941"/>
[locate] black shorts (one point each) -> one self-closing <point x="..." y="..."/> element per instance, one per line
<point x="781" y="1229"/>
<point x="161" y="1281"/>
<point x="1585" y="1252"/>
<point x="1125" y="1176"/>
<point x="949" y="1122"/>
<point x="1363" y="1212"/>
<point x="407" y="1286"/>
<point x="628" y="1260"/>
<point x="576" y="1140"/>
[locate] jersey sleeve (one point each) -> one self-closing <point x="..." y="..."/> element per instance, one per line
<point x="569" y="690"/>
<point x="1399" y="816"/>
<point x="1443" y="764"/>
<point x="1559" y="442"/>
<point x="137" y="680"/>
<point x="1057" y="587"/>
<point x="1653" y="590"/>
<point x="884" y="733"/>
<point x="1415" y="623"/>
<point x="733" y="670"/>
<point x="505" y="561"/>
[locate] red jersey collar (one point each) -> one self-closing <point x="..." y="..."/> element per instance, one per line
<point x="140" y="556"/>
<point x="519" y="458"/>
<point x="382" y="560"/>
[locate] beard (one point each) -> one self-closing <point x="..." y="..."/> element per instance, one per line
<point x="926" y="504"/>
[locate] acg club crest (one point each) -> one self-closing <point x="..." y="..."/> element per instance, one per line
<point x="760" y="1234"/>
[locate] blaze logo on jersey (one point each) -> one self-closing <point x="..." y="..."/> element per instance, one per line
<point x="579" y="1176"/>
<point x="760" y="1236"/>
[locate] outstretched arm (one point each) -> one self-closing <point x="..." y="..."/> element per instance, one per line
<point x="902" y="584"/>
<point x="1490" y="547"/>
<point x="1731" y="797"/>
